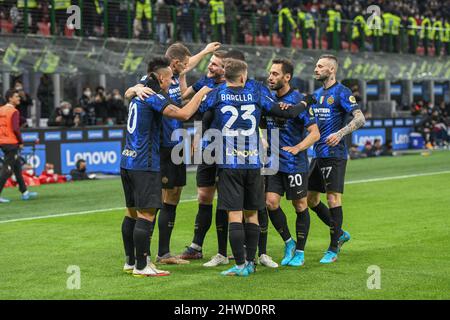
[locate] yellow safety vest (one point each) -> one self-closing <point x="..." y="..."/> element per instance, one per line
<point x="62" y="4"/>
<point x="31" y="4"/>
<point x="426" y="25"/>
<point x="446" y="33"/>
<point x="308" y="18"/>
<point x="359" y="20"/>
<point x="143" y="9"/>
<point x="413" y="30"/>
<point x="438" y="30"/>
<point x="217" y="12"/>
<point x="387" y="22"/>
<point x="285" y="12"/>
<point x="333" y="17"/>
<point x="396" y="22"/>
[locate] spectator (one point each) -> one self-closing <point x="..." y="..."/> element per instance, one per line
<point x="143" y="18"/>
<point x="185" y="14"/>
<point x="45" y="95"/>
<point x="377" y="148"/>
<point x="80" y="117"/>
<point x="87" y="103"/>
<point x="100" y="107"/>
<point x="29" y="176"/>
<point x="25" y="103"/>
<point x="367" y="149"/>
<point x="79" y="173"/>
<point x="387" y="150"/>
<point x="163" y="18"/>
<point x="49" y="175"/>
<point x="117" y="110"/>
<point x="355" y="153"/>
<point x="62" y="116"/>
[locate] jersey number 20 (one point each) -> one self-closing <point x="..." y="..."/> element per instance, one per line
<point x="247" y="115"/>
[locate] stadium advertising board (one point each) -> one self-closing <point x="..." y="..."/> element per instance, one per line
<point x="361" y="136"/>
<point x="400" y="138"/>
<point x="100" y="156"/>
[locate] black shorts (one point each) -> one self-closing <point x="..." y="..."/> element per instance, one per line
<point x="327" y="175"/>
<point x="206" y="175"/>
<point x="172" y="175"/>
<point x="240" y="189"/>
<point x="295" y="185"/>
<point x="142" y="189"/>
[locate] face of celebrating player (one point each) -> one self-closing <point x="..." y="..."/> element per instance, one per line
<point x="165" y="78"/>
<point x="215" y="68"/>
<point x="324" y="69"/>
<point x="277" y="79"/>
<point x="178" y="66"/>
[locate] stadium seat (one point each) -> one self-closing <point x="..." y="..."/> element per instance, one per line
<point x="43" y="28"/>
<point x="6" y="26"/>
<point x="69" y="31"/>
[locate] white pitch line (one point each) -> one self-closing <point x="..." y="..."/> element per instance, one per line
<point x="195" y="199"/>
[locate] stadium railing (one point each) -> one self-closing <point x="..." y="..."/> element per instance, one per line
<point x="127" y="19"/>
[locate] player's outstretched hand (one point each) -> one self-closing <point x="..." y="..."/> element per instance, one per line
<point x="144" y="92"/>
<point x="333" y="139"/>
<point x="211" y="47"/>
<point x="294" y="150"/>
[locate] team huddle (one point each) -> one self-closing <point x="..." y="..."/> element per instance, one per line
<point x="250" y="171"/>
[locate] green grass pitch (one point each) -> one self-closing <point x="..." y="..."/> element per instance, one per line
<point x="398" y="222"/>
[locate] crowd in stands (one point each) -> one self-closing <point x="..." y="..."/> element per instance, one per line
<point x="426" y="23"/>
<point x="435" y="123"/>
<point x="93" y="108"/>
<point x="369" y="150"/>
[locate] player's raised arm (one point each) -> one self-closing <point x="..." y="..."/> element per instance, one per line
<point x="195" y="60"/>
<point x="189" y="109"/>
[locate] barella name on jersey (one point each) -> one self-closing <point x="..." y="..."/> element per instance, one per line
<point x="237" y="97"/>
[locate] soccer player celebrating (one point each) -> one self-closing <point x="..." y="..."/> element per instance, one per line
<point x="140" y="167"/>
<point x="206" y="174"/>
<point x="237" y="108"/>
<point x="292" y="175"/>
<point x="173" y="175"/>
<point x="327" y="171"/>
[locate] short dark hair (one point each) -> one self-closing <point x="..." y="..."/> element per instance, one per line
<point x="158" y="63"/>
<point x="10" y="93"/>
<point x="235" y="54"/>
<point x="178" y="51"/>
<point x="234" y="68"/>
<point x="79" y="162"/>
<point x="286" y="65"/>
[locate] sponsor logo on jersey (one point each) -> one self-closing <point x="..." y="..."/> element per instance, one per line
<point x="352" y="99"/>
<point x="129" y="153"/>
<point x="330" y="100"/>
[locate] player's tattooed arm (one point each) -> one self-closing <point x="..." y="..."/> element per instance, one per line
<point x="357" y="122"/>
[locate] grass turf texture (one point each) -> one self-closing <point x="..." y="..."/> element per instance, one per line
<point x="399" y="225"/>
